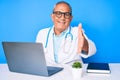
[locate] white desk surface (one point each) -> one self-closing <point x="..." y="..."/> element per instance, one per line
<point x="65" y="74"/>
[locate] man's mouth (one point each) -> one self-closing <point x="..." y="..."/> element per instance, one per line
<point x="61" y="22"/>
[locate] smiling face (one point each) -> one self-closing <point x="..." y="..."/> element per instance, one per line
<point x="61" y="23"/>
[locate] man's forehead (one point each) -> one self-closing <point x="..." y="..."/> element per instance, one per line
<point x="62" y="6"/>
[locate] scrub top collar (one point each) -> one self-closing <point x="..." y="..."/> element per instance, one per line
<point x="63" y="33"/>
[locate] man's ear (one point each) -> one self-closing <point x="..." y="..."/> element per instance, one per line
<point x="71" y="18"/>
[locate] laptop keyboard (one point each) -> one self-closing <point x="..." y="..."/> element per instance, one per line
<point x="53" y="70"/>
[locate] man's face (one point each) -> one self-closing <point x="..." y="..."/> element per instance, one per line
<point x="61" y="18"/>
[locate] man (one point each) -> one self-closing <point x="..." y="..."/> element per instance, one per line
<point x="63" y="43"/>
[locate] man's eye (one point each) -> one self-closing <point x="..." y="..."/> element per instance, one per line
<point x="67" y="14"/>
<point x="58" y="13"/>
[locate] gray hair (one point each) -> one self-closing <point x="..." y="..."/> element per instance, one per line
<point x="60" y="2"/>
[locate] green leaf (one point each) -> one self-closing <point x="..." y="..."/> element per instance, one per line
<point x="77" y="65"/>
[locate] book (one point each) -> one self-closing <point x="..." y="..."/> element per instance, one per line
<point x="98" y="68"/>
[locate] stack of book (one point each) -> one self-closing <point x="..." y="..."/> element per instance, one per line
<point x="98" y="68"/>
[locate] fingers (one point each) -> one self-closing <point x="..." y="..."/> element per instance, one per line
<point x="80" y="38"/>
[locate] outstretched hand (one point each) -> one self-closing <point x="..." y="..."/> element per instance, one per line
<point x="80" y="38"/>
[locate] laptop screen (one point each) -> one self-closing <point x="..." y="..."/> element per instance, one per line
<point x="26" y="57"/>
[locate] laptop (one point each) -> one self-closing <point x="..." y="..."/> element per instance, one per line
<point x="27" y="57"/>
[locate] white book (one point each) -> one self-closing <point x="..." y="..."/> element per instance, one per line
<point x="98" y="68"/>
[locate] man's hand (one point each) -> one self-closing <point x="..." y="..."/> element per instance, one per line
<point x="82" y="42"/>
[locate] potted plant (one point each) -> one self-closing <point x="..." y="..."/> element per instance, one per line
<point x="77" y="70"/>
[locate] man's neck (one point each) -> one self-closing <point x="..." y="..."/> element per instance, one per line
<point x="57" y="32"/>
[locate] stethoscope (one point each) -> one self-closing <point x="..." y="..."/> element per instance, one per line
<point x="67" y="41"/>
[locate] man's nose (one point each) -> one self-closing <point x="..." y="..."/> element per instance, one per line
<point x="63" y="16"/>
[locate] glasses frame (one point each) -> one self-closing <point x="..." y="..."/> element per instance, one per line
<point x="58" y="14"/>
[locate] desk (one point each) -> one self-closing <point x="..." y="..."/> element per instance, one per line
<point x="65" y="74"/>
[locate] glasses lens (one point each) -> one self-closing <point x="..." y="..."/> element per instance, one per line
<point x="59" y="14"/>
<point x="67" y="15"/>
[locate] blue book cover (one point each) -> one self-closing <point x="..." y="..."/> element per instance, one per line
<point x="98" y="68"/>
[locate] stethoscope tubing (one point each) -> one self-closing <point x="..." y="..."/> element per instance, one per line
<point x="69" y="33"/>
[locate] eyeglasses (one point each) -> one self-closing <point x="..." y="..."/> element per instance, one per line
<point x="58" y="14"/>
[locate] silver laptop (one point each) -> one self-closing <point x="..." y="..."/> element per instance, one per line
<point x="27" y="57"/>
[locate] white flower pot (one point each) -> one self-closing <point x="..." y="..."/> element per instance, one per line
<point x="77" y="73"/>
